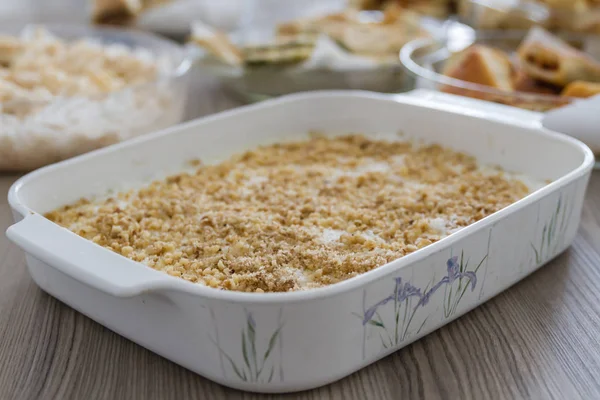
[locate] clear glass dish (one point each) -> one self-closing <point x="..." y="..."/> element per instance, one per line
<point x="425" y="59"/>
<point x="261" y="82"/>
<point x="66" y="126"/>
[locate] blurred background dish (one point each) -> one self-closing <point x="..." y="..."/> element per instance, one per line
<point x="174" y="17"/>
<point x="168" y="17"/>
<point x="487" y="76"/>
<point x="440" y="9"/>
<point x="579" y="16"/>
<point x="66" y="90"/>
<point x="347" y="50"/>
<point x="258" y="49"/>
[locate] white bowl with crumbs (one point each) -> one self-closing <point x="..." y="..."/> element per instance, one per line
<point x="66" y="90"/>
<point x="314" y="235"/>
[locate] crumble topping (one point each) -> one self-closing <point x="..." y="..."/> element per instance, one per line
<point x="294" y="216"/>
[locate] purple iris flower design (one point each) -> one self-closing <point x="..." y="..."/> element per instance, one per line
<point x="406" y="290"/>
<point x="430" y="292"/>
<point x="454" y="272"/>
<point x="452" y="275"/>
<point x="401" y="293"/>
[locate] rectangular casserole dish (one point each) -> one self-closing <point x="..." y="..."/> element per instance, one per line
<point x="283" y="342"/>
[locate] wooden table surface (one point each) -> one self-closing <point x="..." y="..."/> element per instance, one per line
<point x="538" y="340"/>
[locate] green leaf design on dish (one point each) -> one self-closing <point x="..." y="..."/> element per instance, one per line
<point x="238" y="371"/>
<point x="245" y="352"/>
<point x="272" y="342"/>
<point x="553" y="232"/>
<point x="250" y="370"/>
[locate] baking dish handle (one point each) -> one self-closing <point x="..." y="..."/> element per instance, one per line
<point x="479" y="108"/>
<point x="84" y="260"/>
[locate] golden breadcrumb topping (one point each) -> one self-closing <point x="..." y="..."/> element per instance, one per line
<point x="294" y="216"/>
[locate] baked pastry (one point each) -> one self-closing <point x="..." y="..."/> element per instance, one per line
<point x="525" y="83"/>
<point x="481" y="65"/>
<point x="367" y="4"/>
<point x="375" y="39"/>
<point x="535" y="80"/>
<point x="581" y="89"/>
<point x="285" y="50"/>
<point x="567" y="5"/>
<point x="329" y="24"/>
<point x="549" y="59"/>
<point x="430" y="8"/>
<point x="588" y="22"/>
<point x="117" y="12"/>
<point x="217" y="43"/>
<point x="121" y="12"/>
<point x="433" y="8"/>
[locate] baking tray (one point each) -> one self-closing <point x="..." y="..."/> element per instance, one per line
<point x="283" y="342"/>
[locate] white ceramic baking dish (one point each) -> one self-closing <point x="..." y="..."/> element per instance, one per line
<point x="282" y="342"/>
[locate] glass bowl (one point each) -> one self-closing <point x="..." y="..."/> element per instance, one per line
<point x="425" y="59"/>
<point x="256" y="83"/>
<point x="65" y="126"/>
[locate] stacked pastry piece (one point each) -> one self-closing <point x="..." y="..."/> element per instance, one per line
<point x="543" y="65"/>
<point x="121" y="12"/>
<point x="433" y="8"/>
<point x="374" y="42"/>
